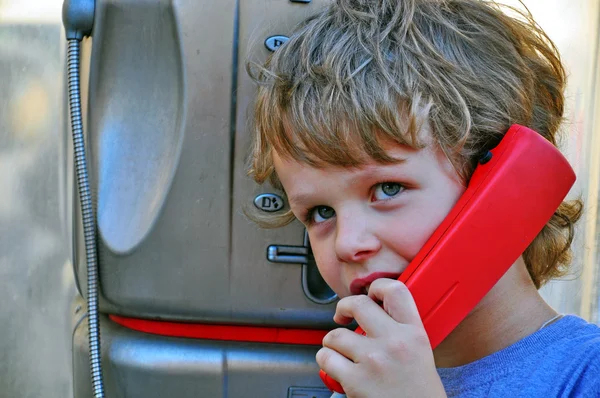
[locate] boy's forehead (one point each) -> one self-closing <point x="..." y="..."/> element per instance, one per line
<point x="305" y="146"/>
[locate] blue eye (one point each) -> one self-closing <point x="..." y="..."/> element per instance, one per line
<point x="321" y="213"/>
<point x="386" y="190"/>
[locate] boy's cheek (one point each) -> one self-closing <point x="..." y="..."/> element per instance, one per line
<point x="330" y="270"/>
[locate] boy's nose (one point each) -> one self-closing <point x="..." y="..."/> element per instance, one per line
<point x="354" y="242"/>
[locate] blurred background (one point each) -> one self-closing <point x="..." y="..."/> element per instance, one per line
<point x="36" y="282"/>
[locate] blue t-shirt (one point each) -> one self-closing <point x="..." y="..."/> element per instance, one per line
<point x="560" y="360"/>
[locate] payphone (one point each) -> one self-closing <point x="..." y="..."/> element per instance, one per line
<point x="179" y="274"/>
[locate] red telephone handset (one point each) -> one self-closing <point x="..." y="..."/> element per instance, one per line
<point x="510" y="198"/>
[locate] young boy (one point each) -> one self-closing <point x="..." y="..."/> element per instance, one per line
<point x="371" y="119"/>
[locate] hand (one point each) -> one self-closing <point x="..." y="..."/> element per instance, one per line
<point x="394" y="359"/>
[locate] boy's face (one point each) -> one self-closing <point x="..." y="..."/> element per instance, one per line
<point x="369" y="222"/>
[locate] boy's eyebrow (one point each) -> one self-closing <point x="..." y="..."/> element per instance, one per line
<point x="396" y="161"/>
<point x="299" y="199"/>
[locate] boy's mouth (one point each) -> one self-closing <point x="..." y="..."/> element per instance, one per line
<point x="362" y="285"/>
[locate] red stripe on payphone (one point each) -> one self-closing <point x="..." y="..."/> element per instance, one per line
<point x="224" y="332"/>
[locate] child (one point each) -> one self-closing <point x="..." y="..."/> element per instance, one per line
<point x="371" y="119"/>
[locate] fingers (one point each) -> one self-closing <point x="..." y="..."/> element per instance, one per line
<point x="398" y="308"/>
<point x="347" y="342"/>
<point x="369" y="315"/>
<point x="342" y="349"/>
<point x="334" y="364"/>
<point x="395" y="343"/>
<point x="397" y="301"/>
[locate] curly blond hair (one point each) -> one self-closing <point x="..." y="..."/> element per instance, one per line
<point x="371" y="71"/>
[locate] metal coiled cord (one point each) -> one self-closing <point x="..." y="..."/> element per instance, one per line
<point x="89" y="225"/>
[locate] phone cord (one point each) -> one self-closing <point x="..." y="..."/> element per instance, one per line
<point x="89" y="225"/>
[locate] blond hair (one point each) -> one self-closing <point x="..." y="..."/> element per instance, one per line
<point x="365" y="71"/>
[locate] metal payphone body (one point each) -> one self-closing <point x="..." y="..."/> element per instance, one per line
<point x="168" y="106"/>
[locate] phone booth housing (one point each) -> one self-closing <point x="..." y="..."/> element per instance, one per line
<point x="195" y="299"/>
